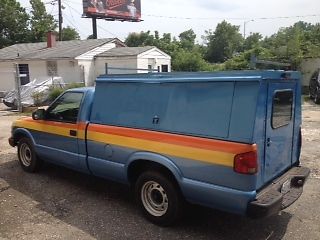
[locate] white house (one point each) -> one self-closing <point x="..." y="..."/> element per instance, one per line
<point x="76" y="61"/>
<point x="133" y="60"/>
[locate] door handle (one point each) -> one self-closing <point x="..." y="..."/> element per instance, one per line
<point x="155" y="120"/>
<point x="269" y="142"/>
<point x="73" y="133"/>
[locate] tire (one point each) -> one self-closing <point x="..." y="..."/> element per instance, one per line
<point x="27" y="156"/>
<point x="159" y="198"/>
<point x="316" y="98"/>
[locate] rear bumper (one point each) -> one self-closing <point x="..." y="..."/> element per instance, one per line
<point x="279" y="194"/>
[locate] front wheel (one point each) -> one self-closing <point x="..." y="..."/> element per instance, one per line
<point x="158" y="197"/>
<point x="316" y="98"/>
<point x="27" y="156"/>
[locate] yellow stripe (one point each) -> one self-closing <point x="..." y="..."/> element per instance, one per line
<point x="215" y="157"/>
<point x="62" y="131"/>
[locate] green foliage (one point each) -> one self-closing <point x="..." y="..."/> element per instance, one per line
<point x="187" y="39"/>
<point x="223" y="43"/>
<point x="13" y="23"/>
<point x="55" y="91"/>
<point x="69" y="33"/>
<point x="41" y="22"/>
<point x="294" y="43"/>
<point x="38" y="98"/>
<point x="17" y="26"/>
<point x="74" y="85"/>
<point x="189" y="61"/>
<point x="254" y="40"/>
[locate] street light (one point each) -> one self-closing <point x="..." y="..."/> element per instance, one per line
<point x="244" y="27"/>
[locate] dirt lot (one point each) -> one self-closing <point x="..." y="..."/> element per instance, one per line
<point x="61" y="204"/>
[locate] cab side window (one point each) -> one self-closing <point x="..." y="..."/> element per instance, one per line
<point x="66" y="108"/>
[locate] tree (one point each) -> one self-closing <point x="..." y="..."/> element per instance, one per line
<point x="187" y="39"/>
<point x="70" y="33"/>
<point x="139" y="39"/>
<point x="41" y="21"/>
<point x="252" y="41"/>
<point x="13" y="24"/>
<point x="223" y="43"/>
<point x="189" y="61"/>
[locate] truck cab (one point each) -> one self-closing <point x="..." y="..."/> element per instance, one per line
<point x="225" y="140"/>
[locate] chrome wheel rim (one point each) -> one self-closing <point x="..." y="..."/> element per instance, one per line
<point x="25" y="154"/>
<point x="154" y="198"/>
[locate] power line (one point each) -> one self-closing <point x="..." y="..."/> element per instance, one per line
<point x="231" y="18"/>
<point x="53" y="2"/>
<point x="73" y="25"/>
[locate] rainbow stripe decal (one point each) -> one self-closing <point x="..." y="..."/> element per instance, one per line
<point x="188" y="147"/>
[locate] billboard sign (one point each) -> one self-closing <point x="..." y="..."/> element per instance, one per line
<point x="129" y="10"/>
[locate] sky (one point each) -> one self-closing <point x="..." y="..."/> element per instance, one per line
<point x="176" y="16"/>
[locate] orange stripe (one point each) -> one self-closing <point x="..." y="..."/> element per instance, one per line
<point x="189" y="141"/>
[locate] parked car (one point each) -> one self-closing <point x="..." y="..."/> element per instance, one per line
<point x="314" y="87"/>
<point x="229" y="141"/>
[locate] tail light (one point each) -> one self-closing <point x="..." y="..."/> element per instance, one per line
<point x="246" y="163"/>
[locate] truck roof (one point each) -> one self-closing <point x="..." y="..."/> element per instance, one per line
<point x="201" y="76"/>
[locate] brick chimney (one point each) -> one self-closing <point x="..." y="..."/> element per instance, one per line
<point x="51" y="39"/>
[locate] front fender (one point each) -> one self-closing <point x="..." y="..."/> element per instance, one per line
<point x="156" y="158"/>
<point x="22" y="132"/>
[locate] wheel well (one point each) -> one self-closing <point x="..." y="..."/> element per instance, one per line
<point x="18" y="136"/>
<point x="138" y="167"/>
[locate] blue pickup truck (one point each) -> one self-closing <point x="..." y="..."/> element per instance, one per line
<point x="225" y="140"/>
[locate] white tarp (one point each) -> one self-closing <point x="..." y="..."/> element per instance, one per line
<point x="40" y="86"/>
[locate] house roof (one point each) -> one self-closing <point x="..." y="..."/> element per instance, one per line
<point x="62" y="50"/>
<point x="127" y="51"/>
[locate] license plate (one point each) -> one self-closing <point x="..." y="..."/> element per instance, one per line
<point x="286" y="186"/>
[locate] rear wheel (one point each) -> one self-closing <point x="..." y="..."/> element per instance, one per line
<point x="158" y="197"/>
<point x="27" y="156"/>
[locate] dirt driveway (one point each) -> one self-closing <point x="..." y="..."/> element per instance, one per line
<point x="61" y="204"/>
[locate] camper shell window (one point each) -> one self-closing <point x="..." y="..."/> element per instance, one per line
<point x="282" y="108"/>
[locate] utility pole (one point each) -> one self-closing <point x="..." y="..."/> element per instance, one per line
<point x="18" y="85"/>
<point x="244" y="27"/>
<point x="60" y="20"/>
<point x="94" y="28"/>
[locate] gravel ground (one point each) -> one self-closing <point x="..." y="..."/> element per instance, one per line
<point x="61" y="204"/>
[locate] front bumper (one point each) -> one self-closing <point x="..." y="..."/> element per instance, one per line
<point x="279" y="194"/>
<point x="11" y="142"/>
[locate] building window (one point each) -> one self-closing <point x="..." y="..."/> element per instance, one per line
<point x="164" y="68"/>
<point x="150" y="68"/>
<point x="282" y="108"/>
<point x="52" y="68"/>
<point x="24" y="74"/>
<point x="106" y="68"/>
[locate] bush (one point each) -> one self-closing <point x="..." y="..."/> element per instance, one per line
<point x="38" y="98"/>
<point x="74" y="85"/>
<point x="54" y="92"/>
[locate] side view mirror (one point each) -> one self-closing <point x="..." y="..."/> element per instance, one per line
<point x="38" y="114"/>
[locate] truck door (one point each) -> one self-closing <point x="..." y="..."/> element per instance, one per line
<point x="58" y="139"/>
<point x="279" y="128"/>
